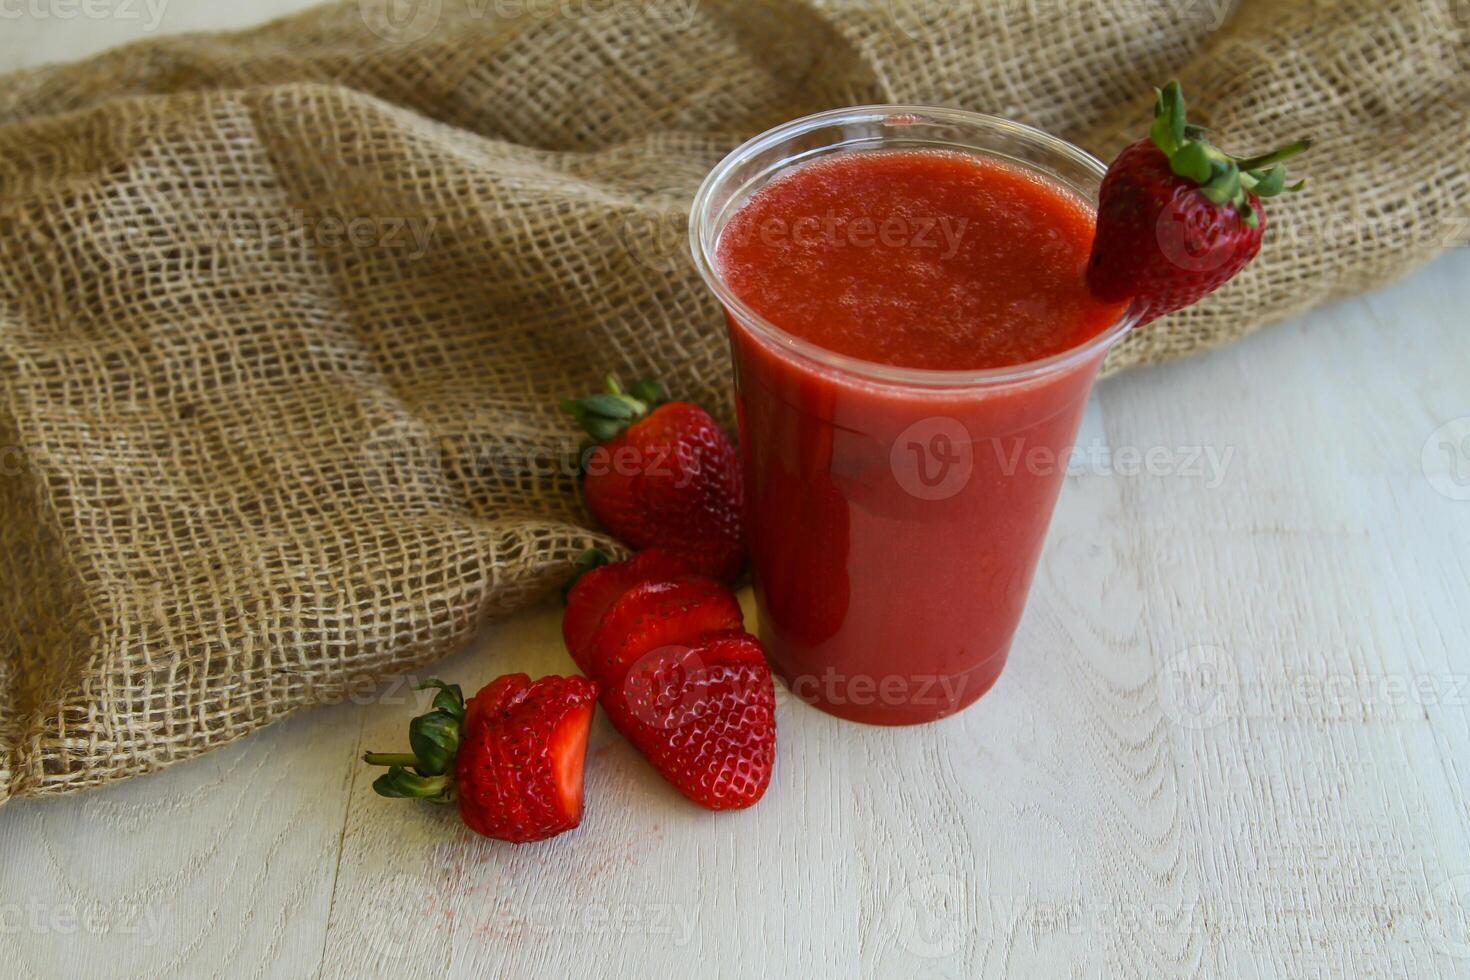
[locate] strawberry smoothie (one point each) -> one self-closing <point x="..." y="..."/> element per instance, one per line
<point x="914" y="344"/>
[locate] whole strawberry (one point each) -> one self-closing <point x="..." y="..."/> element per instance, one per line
<point x="1177" y="217"/>
<point x="512" y="758"/>
<point x="663" y="475"/>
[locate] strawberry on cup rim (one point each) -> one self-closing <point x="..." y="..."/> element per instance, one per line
<point x="1177" y="217"/>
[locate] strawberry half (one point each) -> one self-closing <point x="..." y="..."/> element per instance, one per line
<point x="663" y="475"/>
<point x="681" y="678"/>
<point x="512" y="758"/>
<point x="651" y="615"/>
<point x="704" y="715"/>
<point x="1177" y="217"/>
<point x="591" y="593"/>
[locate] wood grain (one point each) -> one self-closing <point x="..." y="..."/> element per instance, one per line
<point x="1233" y="740"/>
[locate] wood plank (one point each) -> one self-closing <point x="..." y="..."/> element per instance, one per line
<point x="1233" y="739"/>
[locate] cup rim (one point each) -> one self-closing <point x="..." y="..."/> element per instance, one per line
<point x="702" y="244"/>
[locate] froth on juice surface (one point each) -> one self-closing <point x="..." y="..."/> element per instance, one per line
<point x="927" y="259"/>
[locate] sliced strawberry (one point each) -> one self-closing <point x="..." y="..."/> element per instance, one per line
<point x="651" y="615"/>
<point x="568" y="750"/>
<point x="704" y="716"/>
<point x="682" y="679"/>
<point x="594" y="591"/>
<point x="518" y="773"/>
<point x="512" y="757"/>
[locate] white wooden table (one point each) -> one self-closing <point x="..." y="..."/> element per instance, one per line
<point x="1232" y="740"/>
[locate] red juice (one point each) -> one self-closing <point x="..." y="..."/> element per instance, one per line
<point x="913" y="354"/>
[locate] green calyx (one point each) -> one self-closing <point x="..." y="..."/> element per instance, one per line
<point x="426" y="773"/>
<point x="1223" y="178"/>
<point x="612" y="410"/>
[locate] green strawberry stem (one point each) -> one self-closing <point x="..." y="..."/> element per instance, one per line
<point x="1275" y="156"/>
<point x="1222" y="178"/>
<point x="606" y="413"/>
<point x="427" y="772"/>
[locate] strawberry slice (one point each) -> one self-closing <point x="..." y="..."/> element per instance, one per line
<point x="652" y="615"/>
<point x="705" y="716"/>
<point x="512" y="757"/>
<point x="590" y="595"/>
<point x="681" y="678"/>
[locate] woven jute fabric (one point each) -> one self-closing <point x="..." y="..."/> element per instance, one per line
<point x="284" y="314"/>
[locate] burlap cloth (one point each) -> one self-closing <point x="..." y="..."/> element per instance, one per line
<point x="284" y="315"/>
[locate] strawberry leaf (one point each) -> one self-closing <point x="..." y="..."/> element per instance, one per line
<point x="1269" y="184"/>
<point x="609" y="406"/>
<point x="399" y="783"/>
<point x="604" y="414"/>
<point x="1223" y="178"/>
<point x="1193" y="161"/>
<point x="649" y="391"/>
<point x="450" y="698"/>
<point x="434" y="738"/>
<point x="1168" y="131"/>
